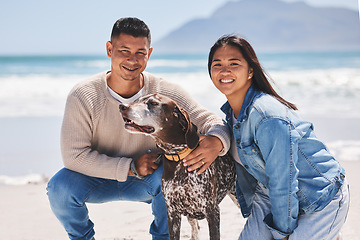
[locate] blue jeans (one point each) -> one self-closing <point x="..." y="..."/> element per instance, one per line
<point x="69" y="191"/>
<point x="325" y="224"/>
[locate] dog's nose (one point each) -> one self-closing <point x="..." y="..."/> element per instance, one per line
<point x="123" y="107"/>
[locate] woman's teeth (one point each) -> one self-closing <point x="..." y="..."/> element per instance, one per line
<point x="226" y="80"/>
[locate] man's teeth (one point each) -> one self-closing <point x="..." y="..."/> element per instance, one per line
<point x="226" y="80"/>
<point x="130" y="69"/>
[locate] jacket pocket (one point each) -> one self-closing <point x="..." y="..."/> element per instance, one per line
<point x="253" y="157"/>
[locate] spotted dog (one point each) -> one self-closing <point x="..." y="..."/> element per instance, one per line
<point x="185" y="193"/>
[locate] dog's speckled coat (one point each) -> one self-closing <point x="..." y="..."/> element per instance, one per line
<point x="185" y="193"/>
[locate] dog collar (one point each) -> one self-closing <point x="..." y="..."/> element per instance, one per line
<point x="179" y="156"/>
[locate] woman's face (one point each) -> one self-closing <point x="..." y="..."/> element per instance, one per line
<point x="230" y="72"/>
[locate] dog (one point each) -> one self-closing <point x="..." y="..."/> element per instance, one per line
<point x="186" y="193"/>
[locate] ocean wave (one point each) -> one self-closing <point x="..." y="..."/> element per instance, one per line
<point x="163" y="63"/>
<point x="333" y="91"/>
<point x="35" y="94"/>
<point x="314" y="91"/>
<point x="97" y="64"/>
<point x="345" y="150"/>
<point x="22" y="180"/>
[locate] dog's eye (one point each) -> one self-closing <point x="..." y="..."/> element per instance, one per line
<point x="153" y="103"/>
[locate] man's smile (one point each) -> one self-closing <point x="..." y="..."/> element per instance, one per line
<point x="131" y="69"/>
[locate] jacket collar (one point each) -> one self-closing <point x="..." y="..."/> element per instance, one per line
<point x="250" y="95"/>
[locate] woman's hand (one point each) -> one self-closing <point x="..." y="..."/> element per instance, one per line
<point x="285" y="238"/>
<point x="206" y="153"/>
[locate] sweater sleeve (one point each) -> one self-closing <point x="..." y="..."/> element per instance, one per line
<point x="207" y="122"/>
<point x="76" y="141"/>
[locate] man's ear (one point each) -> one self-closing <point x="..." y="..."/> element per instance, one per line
<point x="150" y="51"/>
<point x="108" y="48"/>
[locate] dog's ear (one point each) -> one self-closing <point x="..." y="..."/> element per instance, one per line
<point x="182" y="118"/>
<point x="191" y="134"/>
<point x="192" y="137"/>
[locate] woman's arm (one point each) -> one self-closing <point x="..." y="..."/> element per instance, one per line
<point x="277" y="142"/>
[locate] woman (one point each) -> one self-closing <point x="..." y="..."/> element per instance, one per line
<point x="288" y="184"/>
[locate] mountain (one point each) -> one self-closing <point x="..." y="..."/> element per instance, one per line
<point x="269" y="25"/>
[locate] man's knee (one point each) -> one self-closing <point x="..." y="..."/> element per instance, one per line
<point x="156" y="181"/>
<point x="61" y="188"/>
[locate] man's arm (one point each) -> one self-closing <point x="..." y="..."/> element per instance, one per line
<point x="76" y="143"/>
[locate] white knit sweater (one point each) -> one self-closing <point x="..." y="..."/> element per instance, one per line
<point x="93" y="139"/>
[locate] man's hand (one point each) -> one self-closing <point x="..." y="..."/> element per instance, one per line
<point x="145" y="164"/>
<point x="206" y="153"/>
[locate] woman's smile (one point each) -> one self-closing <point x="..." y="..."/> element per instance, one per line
<point x="226" y="80"/>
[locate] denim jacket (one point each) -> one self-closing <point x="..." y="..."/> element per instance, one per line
<point x="281" y="151"/>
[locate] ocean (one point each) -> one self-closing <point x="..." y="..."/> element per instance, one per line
<point x="324" y="85"/>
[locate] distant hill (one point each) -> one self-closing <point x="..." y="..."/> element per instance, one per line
<point x="269" y="25"/>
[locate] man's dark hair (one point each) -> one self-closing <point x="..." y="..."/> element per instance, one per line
<point x="131" y="26"/>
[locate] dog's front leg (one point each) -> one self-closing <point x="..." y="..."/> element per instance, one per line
<point x="174" y="222"/>
<point x="213" y="219"/>
<point x="194" y="228"/>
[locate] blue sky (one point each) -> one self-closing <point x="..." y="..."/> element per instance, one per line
<point x="83" y="26"/>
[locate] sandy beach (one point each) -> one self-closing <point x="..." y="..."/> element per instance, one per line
<point x="26" y="215"/>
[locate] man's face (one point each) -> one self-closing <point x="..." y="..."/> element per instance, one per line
<point x="129" y="56"/>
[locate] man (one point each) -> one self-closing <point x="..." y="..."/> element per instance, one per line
<point x="105" y="163"/>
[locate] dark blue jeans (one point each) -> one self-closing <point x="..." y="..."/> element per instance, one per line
<point x="69" y="191"/>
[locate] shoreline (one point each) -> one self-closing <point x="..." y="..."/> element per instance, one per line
<point x="31" y="145"/>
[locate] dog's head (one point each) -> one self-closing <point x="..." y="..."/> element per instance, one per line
<point x="160" y="117"/>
